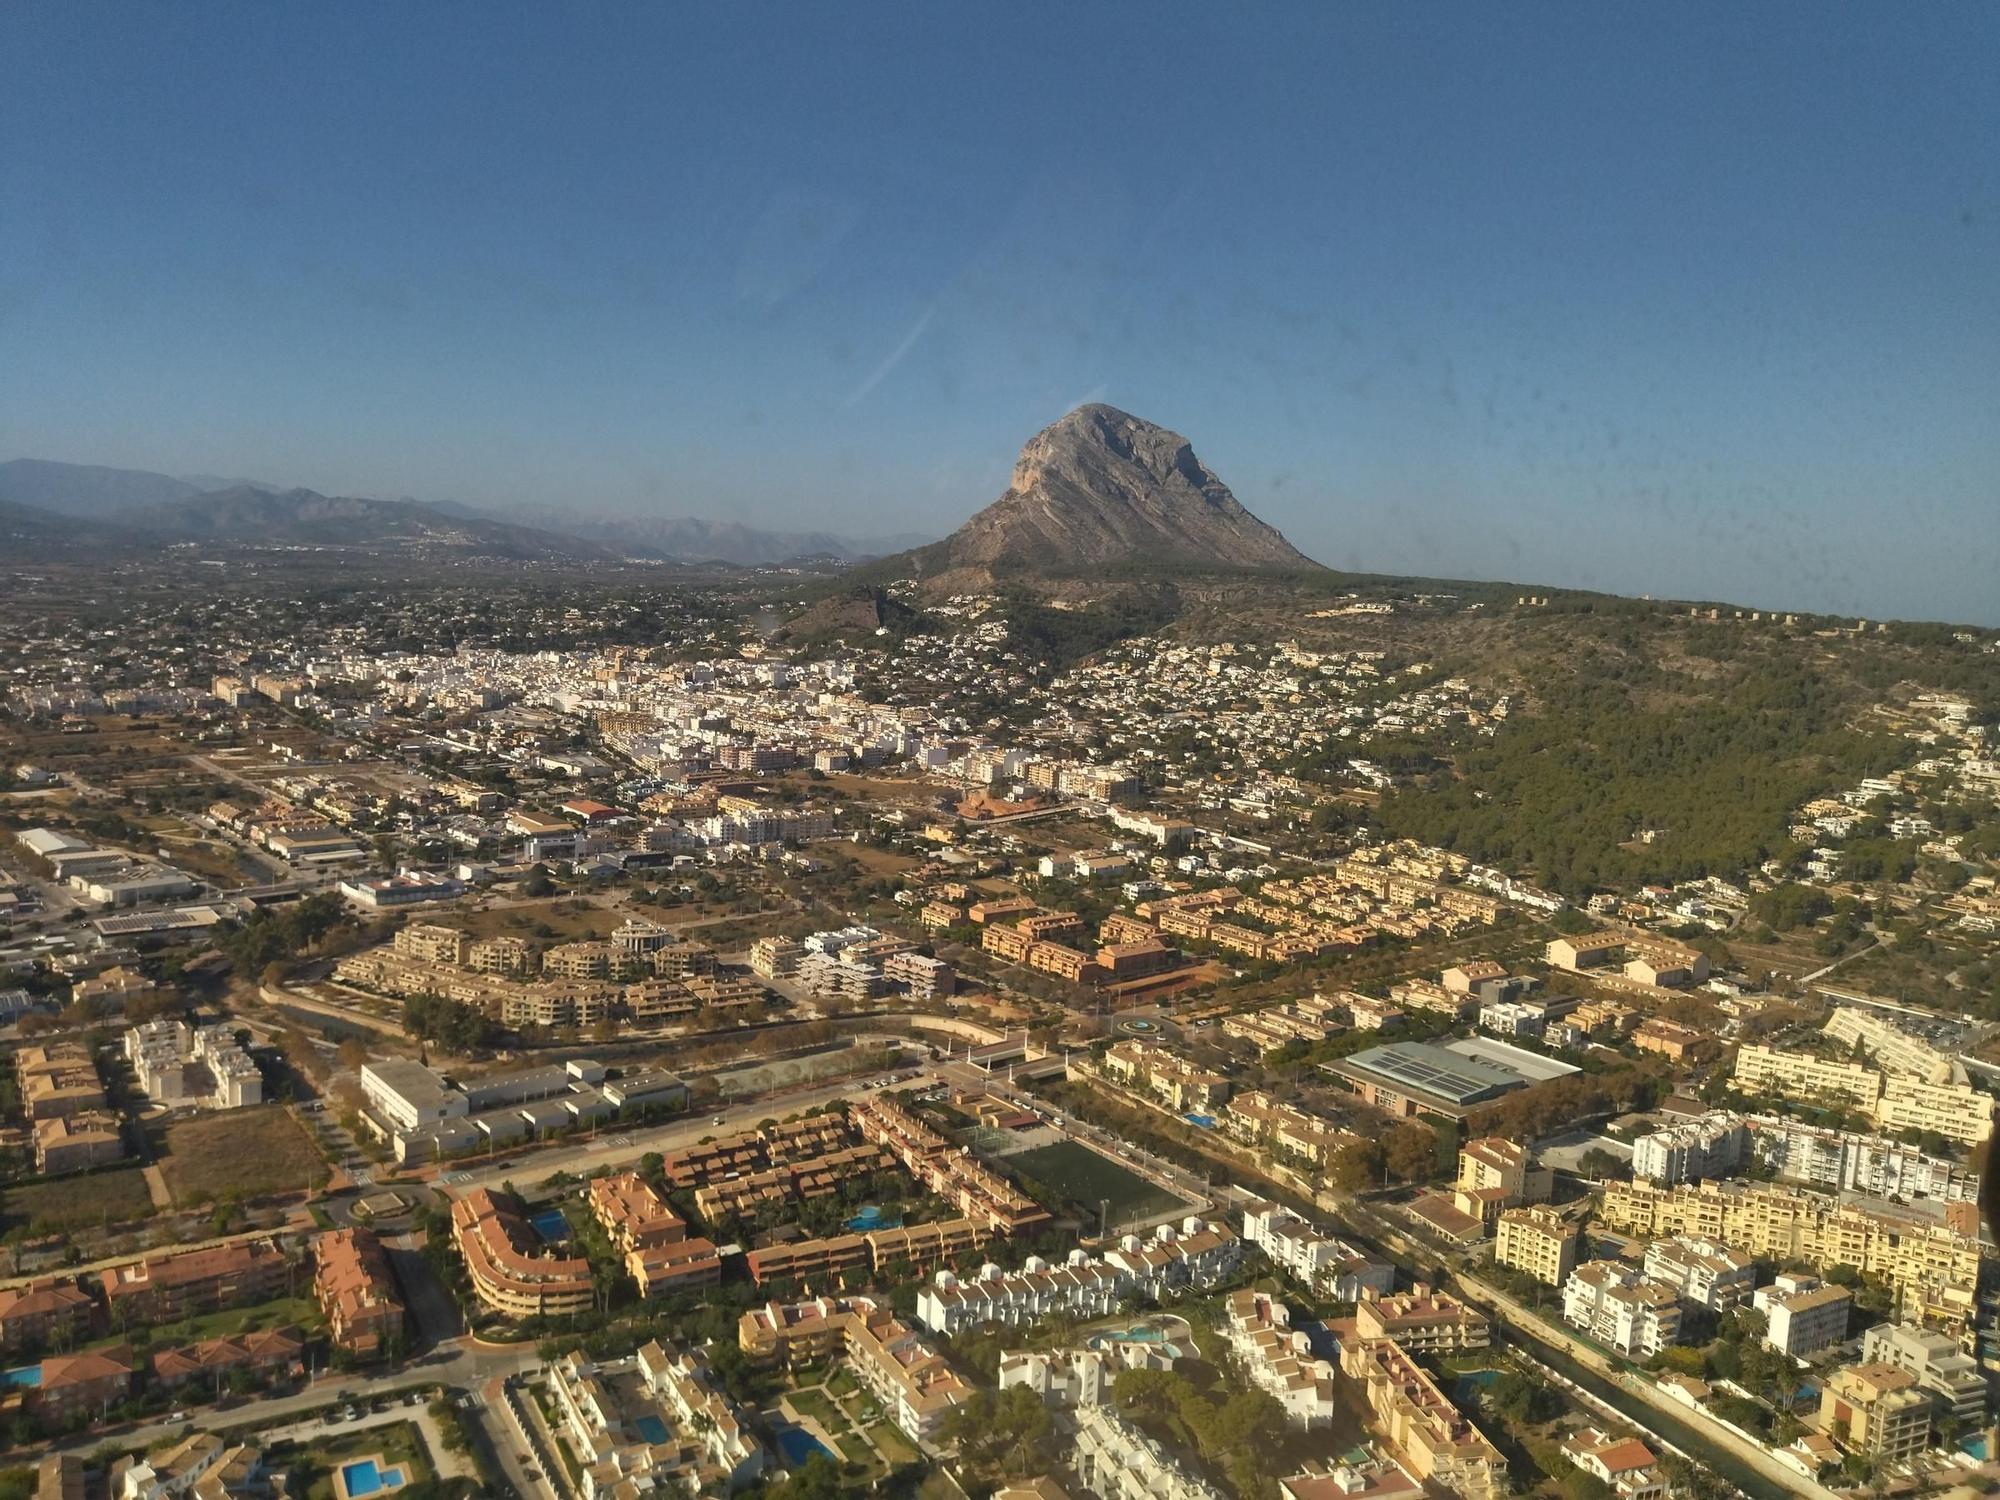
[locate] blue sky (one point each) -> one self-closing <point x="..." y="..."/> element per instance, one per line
<point x="1692" y="300"/>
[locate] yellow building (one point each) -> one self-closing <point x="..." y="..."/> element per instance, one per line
<point x="1818" y="1080"/>
<point x="1933" y="1268"/>
<point x="1539" y="1241"/>
<point x="1876" y="1410"/>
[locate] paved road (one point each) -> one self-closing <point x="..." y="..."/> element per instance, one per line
<point x="458" y="1363"/>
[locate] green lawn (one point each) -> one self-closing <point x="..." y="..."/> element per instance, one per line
<point x="300" y="1312"/>
<point x="893" y="1445"/>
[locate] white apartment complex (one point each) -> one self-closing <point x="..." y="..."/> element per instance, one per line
<point x="1622" y="1309"/>
<point x="1330" y="1267"/>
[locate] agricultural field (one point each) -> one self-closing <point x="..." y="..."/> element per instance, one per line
<point x="247" y="1153"/>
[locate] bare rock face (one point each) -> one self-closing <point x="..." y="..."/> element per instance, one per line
<point x="1102" y="486"/>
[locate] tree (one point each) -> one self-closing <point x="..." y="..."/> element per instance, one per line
<point x="1410" y="1151"/>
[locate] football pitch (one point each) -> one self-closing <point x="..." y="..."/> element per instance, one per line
<point x="1068" y="1175"/>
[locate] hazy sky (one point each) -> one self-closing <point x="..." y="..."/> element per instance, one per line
<point x="1684" y="299"/>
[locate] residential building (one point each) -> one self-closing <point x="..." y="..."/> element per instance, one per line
<point x="1953" y="1377"/>
<point x="50" y="1313"/>
<point x="1426" y="1433"/>
<point x="1329" y="1267"/>
<point x="1845" y="1159"/>
<point x="1933" y="1267"/>
<point x="1423" y="1321"/>
<point x="1956" y="1111"/>
<point x="1197" y="1255"/>
<point x="357" y="1292"/>
<point x="683" y="1383"/>
<point x="511" y="1270"/>
<point x="1877" y="1411"/>
<point x="265" y="1353"/>
<point x="1704" y="1273"/>
<point x="1713" y="1145"/>
<point x="1622" y="1309"/>
<point x="1626" y="1465"/>
<point x="637" y="1427"/>
<point x="1114" y="1460"/>
<point x="904" y="1373"/>
<point x="1278" y="1358"/>
<point x="78" y="1385"/>
<point x="1802" y="1314"/>
<point x="1176" y="1081"/>
<point x="1539" y="1241"/>
<point x="165" y="1288"/>
<point x="75" y="1143"/>
<point x="1673" y="1041"/>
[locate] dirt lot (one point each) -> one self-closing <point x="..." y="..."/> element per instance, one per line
<point x="93" y="1200"/>
<point x="248" y="1152"/>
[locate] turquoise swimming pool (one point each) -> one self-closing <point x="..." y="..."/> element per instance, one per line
<point x="365" y="1477"/>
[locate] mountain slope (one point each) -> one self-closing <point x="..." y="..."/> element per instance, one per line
<point x="1102" y="487"/>
<point x="86" y="489"/>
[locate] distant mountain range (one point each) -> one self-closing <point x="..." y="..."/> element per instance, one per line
<point x="50" y="509"/>
<point x="690" y="539"/>
<point x="1099" y="488"/>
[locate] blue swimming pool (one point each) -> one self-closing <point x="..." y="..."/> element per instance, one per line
<point x="797" y="1445"/>
<point x="22" y="1375"/>
<point x="363" y="1477"/>
<point x="551" y="1225"/>
<point x="651" y="1428"/>
<point x="1204" y="1122"/>
<point x="872" y="1217"/>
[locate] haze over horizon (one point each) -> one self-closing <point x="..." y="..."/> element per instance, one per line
<point x="1699" y="303"/>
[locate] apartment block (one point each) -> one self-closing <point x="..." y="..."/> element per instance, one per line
<point x="1423" y="1321"/>
<point x="1933" y="1267"/>
<point x="1622" y="1309"/>
<point x="1425" y="1432"/>
<point x="1538" y="1241"/>
<point x="1712" y="1146"/>
<point x="896" y="1365"/>
<point x="1802" y="1314"/>
<point x="1176" y="1081"/>
<point x="1876" y="1410"/>
<point x="162" y="1289"/>
<point x="659" y="1253"/>
<point x="1953" y="1378"/>
<point x="357" y="1292"/>
<point x="52" y="1310"/>
<point x="1871" y="1164"/>
<point x="511" y="1270"/>
<point x="1956" y="1111"/>
<point x="432" y="944"/>
<point x="1702" y="1272"/>
<point x="76" y="1143"/>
